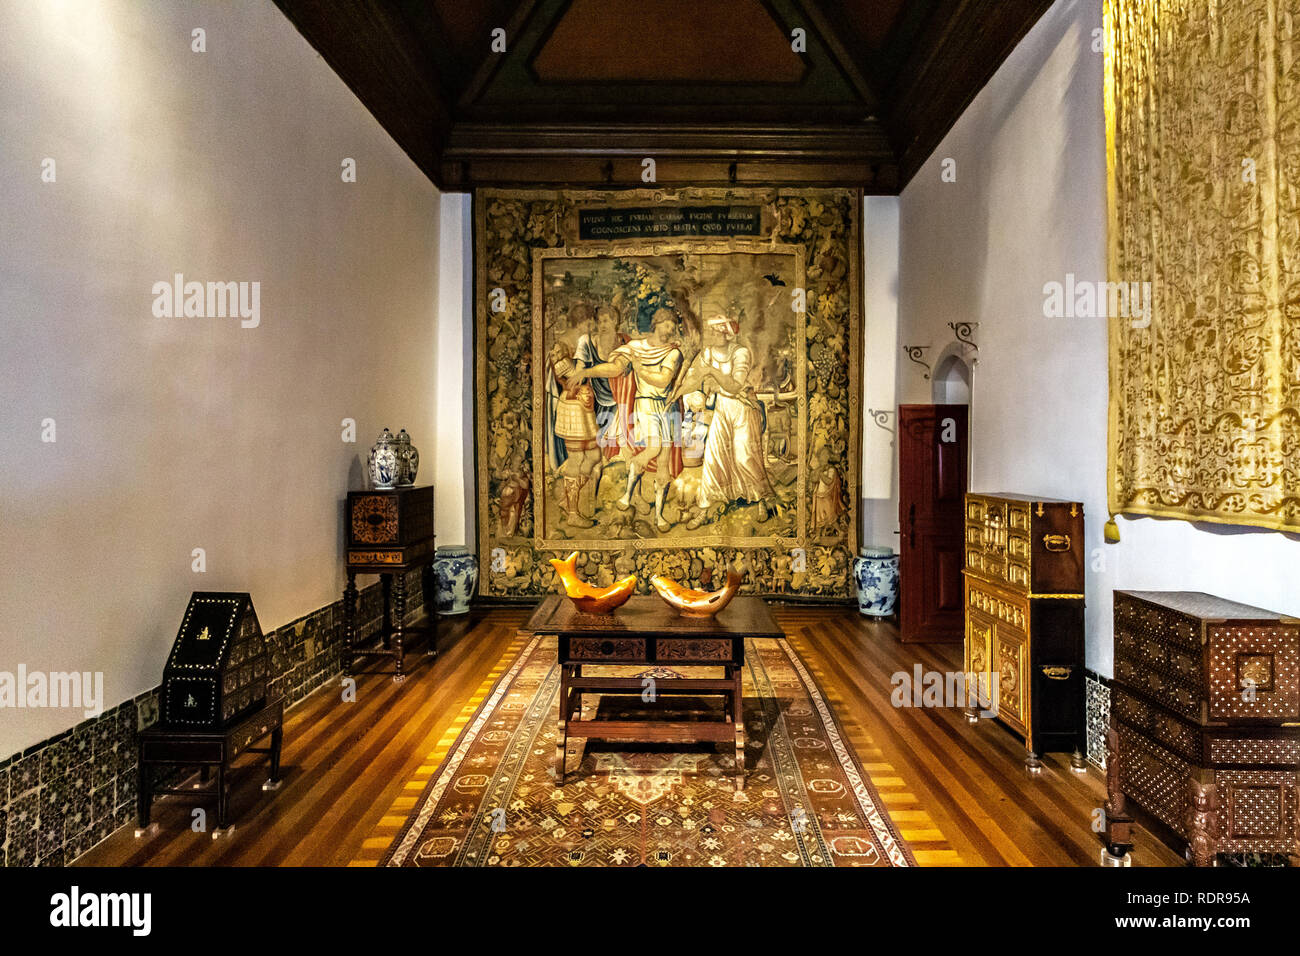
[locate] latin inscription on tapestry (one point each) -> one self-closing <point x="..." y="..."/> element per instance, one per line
<point x="655" y="222"/>
<point x="668" y="381"/>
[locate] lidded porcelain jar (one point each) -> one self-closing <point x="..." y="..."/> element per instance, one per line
<point x="875" y="571"/>
<point x="385" y="468"/>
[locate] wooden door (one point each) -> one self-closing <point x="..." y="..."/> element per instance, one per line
<point x="932" y="467"/>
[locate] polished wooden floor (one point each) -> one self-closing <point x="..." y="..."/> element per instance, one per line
<point x="958" y="793"/>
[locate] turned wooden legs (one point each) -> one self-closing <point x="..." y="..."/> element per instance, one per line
<point x="349" y="621"/>
<point x="393" y="637"/>
<point x="386" y="586"/>
<point x="399" y="619"/>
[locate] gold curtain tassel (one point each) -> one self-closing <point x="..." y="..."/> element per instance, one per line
<point x="1111" y="531"/>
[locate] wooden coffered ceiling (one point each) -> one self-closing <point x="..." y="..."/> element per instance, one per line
<point x="712" y="90"/>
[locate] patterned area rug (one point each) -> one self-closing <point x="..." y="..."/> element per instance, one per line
<point x="494" y="800"/>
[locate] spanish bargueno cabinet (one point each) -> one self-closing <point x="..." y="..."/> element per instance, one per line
<point x="1024" y="618"/>
<point x="1205" y="723"/>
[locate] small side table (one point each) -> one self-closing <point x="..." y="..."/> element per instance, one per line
<point x="171" y="747"/>
<point x="389" y="533"/>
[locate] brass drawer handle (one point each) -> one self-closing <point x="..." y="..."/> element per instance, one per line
<point x="1057" y="673"/>
<point x="1056" y="542"/>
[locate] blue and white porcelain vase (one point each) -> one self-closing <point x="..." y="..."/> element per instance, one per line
<point x="455" y="572"/>
<point x="385" y="466"/>
<point x="876" y="572"/>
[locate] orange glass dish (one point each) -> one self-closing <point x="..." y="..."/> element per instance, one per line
<point x="589" y="599"/>
<point x="692" y="603"/>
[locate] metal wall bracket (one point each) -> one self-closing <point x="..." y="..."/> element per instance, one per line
<point x="914" y="352"/>
<point x="965" y="332"/>
<point x="881" y="417"/>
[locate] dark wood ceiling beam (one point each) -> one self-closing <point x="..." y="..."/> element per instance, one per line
<point x="956" y="54"/>
<point x="370" y="45"/>
<point x="867" y="142"/>
<point x="492" y="61"/>
<point x="430" y="93"/>
<point x="845" y="45"/>
<point x="600" y="154"/>
<point x="598" y="172"/>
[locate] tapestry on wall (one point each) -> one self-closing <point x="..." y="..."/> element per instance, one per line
<point x="1203" y="138"/>
<point x="667" y="382"/>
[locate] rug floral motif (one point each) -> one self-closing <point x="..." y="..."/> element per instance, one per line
<point x="806" y="802"/>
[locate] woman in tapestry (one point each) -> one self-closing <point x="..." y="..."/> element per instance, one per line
<point x="733" y="469"/>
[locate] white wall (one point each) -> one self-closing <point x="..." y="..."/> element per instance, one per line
<point x="879" y="370"/>
<point x="454" y="477"/>
<point x="175" y="434"/>
<point x="1027" y="207"/>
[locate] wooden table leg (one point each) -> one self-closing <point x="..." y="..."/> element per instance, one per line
<point x="386" y="585"/>
<point x="738" y="709"/>
<point x="349" y="621"/>
<point x="144" y="795"/>
<point x="562" y="727"/>
<point x="399" y="617"/>
<point x="223" y="796"/>
<point x="277" y="740"/>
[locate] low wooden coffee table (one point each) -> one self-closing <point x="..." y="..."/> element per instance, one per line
<point x="645" y="630"/>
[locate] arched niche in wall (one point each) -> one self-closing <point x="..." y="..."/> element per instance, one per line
<point x="951" y="382"/>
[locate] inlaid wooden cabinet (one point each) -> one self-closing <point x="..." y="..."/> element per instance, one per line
<point x="390" y="532"/>
<point x="1205" y="722"/>
<point x="1024" y="618"/>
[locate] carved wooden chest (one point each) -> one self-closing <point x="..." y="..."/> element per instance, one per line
<point x="1024" y="618"/>
<point x="1205" y="714"/>
<point x="217" y="669"/>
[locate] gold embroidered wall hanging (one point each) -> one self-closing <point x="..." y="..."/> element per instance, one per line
<point x="1203" y="150"/>
<point x="668" y="380"/>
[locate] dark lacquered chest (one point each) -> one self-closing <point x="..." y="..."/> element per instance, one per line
<point x="217" y="669"/>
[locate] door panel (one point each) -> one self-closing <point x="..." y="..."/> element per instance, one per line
<point x="932" y="487"/>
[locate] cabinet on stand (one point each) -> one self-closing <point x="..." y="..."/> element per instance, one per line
<point x="390" y="533"/>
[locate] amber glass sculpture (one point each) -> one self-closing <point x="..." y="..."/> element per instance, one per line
<point x="589" y="599"/>
<point x="692" y="603"/>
